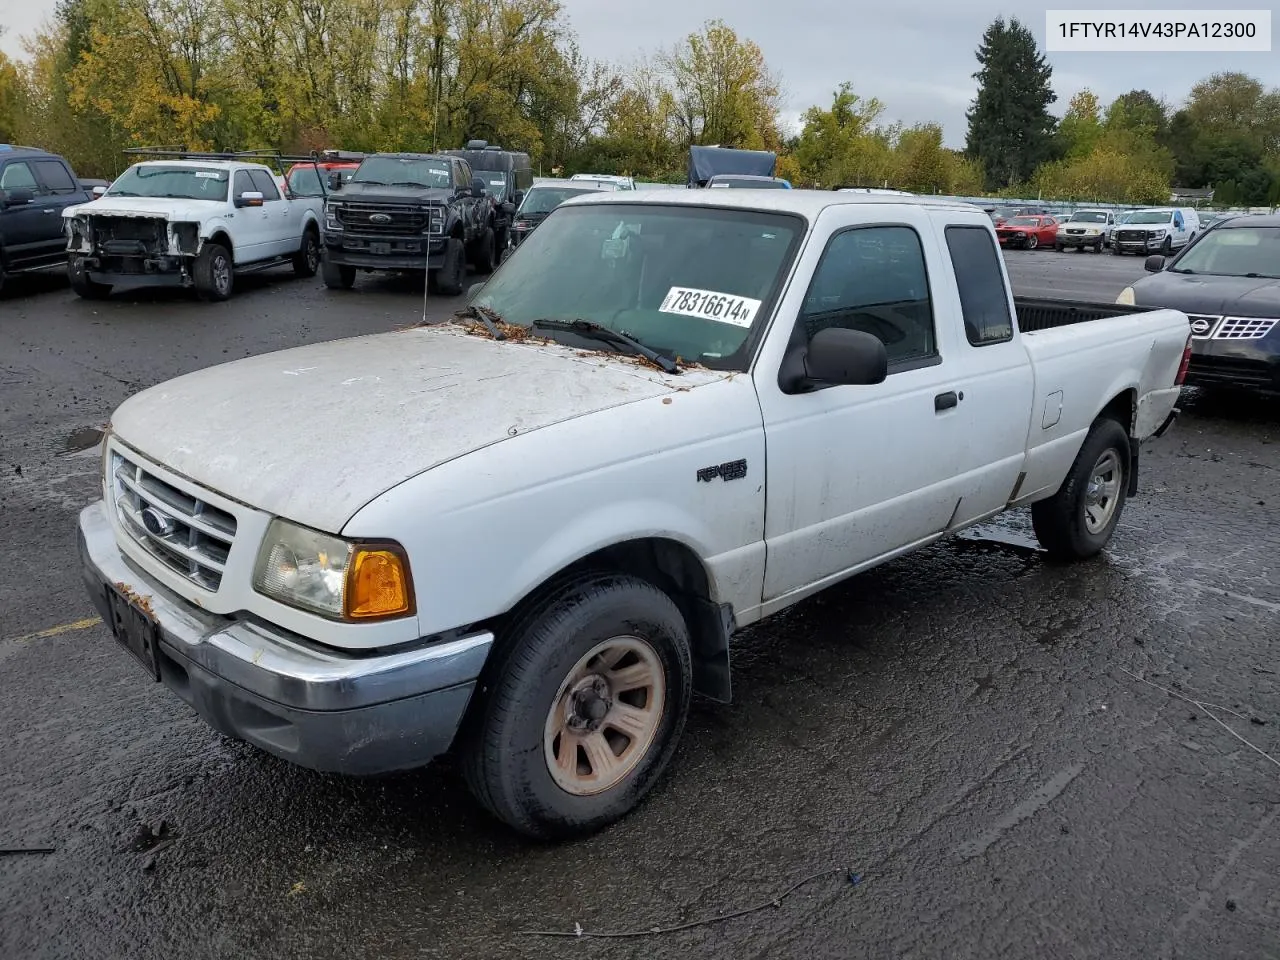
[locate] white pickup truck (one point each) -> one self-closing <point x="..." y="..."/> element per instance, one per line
<point x="190" y="223"/>
<point x="527" y="535"/>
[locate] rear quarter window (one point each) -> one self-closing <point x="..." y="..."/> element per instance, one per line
<point x="984" y="300"/>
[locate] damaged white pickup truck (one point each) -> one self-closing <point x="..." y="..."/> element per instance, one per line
<point x="528" y="535"/>
<point x="190" y="223"/>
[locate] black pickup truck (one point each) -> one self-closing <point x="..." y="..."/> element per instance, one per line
<point x="34" y="188"/>
<point x="406" y="213"/>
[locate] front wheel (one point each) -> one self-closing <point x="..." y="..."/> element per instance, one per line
<point x="84" y="287"/>
<point x="1059" y="247"/>
<point x="486" y="252"/>
<point x="451" y="276"/>
<point x="214" y="273"/>
<point x="1116" y="251"/>
<point x="584" y="709"/>
<point x="1032" y="242"/>
<point x="1167" y="248"/>
<point x="307" y="260"/>
<point x="337" y="276"/>
<point x="1078" y="521"/>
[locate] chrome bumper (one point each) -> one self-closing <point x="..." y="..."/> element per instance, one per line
<point x="319" y="708"/>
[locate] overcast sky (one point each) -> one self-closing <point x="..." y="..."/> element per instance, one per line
<point x="914" y="55"/>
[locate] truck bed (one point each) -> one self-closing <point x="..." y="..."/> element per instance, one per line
<point x="1040" y="314"/>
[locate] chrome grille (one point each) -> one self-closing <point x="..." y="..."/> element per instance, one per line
<point x="186" y="534"/>
<point x="1243" y="328"/>
<point x="359" y="217"/>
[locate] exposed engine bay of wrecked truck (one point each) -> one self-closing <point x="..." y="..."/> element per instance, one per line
<point x="134" y="244"/>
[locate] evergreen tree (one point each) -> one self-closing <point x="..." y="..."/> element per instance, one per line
<point x="1010" y="127"/>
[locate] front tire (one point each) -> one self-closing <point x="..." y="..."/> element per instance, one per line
<point x="1078" y="521"/>
<point x="337" y="276"/>
<point x="584" y="709"/>
<point x="307" y="260"/>
<point x="452" y="275"/>
<point x="486" y="253"/>
<point x="214" y="273"/>
<point x="85" y="288"/>
<point x="1032" y="242"/>
<point x="1167" y="247"/>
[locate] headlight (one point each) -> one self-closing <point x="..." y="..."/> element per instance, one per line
<point x="331" y="221"/>
<point x="1158" y="233"/>
<point x="1126" y="297"/>
<point x="435" y="220"/>
<point x="335" y="578"/>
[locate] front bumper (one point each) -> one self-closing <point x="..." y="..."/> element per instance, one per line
<point x="162" y="270"/>
<point x="1081" y="239"/>
<point x="1149" y="245"/>
<point x="318" y="708"/>
<point x="341" y="252"/>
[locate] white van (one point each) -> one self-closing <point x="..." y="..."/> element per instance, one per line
<point x="1156" y="230"/>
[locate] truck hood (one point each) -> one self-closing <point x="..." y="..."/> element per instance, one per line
<point x="316" y="432"/>
<point x="1215" y="296"/>
<point x="375" y="192"/>
<point x="165" y="208"/>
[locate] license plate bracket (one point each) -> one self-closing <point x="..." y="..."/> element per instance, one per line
<point x="380" y="248"/>
<point x="135" y="629"/>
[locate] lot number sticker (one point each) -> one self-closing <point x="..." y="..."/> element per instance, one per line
<point x="709" y="305"/>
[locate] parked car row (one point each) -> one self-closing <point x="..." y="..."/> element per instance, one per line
<point x="1163" y="229"/>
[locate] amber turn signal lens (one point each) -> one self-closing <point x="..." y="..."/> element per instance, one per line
<point x="377" y="584"/>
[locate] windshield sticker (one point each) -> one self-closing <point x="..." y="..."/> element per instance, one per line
<point x="710" y="305"/>
<point x="614" y="248"/>
<point x="208" y="175"/>
<point x="498" y="183"/>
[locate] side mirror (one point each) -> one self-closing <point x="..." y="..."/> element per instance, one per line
<point x="1155" y="263"/>
<point x="478" y="188"/>
<point x="98" y="191"/>
<point x="335" y="180"/>
<point x="835" y="357"/>
<point x="250" y="198"/>
<point x="19" y="198"/>
<point x="473" y="290"/>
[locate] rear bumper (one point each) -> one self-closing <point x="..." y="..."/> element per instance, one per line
<point x="318" y="708"/>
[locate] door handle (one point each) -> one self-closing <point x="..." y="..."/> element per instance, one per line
<point x="945" y="401"/>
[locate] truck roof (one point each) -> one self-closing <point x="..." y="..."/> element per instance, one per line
<point x="17" y="150"/>
<point x="203" y="164"/>
<point x="808" y="203"/>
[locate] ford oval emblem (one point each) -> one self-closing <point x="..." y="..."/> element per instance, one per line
<point x="158" y="524"/>
<point x="379" y="218"/>
<point x="1200" y="325"/>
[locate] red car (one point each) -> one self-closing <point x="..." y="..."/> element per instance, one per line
<point x="304" y="178"/>
<point x="1028" y="232"/>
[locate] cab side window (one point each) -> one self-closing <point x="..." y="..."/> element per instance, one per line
<point x="984" y="301"/>
<point x="242" y="184"/>
<point x="265" y="184"/>
<point x="873" y="279"/>
<point x="55" y="176"/>
<point x="18" y="176"/>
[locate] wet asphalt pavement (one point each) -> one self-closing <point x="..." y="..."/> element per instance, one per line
<point x="962" y="729"/>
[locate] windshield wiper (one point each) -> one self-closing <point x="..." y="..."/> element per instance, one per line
<point x="1261" y="276"/>
<point x="595" y="331"/>
<point x="1181" y="270"/>
<point x="409" y="183"/>
<point x="485" y="316"/>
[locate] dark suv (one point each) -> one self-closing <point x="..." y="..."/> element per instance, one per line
<point x="507" y="174"/>
<point x="406" y="213"/>
<point x="34" y="188"/>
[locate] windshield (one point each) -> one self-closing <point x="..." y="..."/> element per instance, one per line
<point x="690" y="282"/>
<point x="496" y="184"/>
<point x="1024" y="222"/>
<point x="747" y="183"/>
<point x="1088" y="217"/>
<point x="545" y="199"/>
<point x="1150" y="216"/>
<point x="404" y="171"/>
<point x="162" y="180"/>
<point x="1235" y="252"/>
<point x="304" y="181"/>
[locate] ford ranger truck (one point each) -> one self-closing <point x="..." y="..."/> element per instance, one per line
<point x="710" y="406"/>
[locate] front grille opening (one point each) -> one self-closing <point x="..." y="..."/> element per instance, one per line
<point x="186" y="534"/>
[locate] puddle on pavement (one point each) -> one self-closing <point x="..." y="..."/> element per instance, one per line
<point x="1001" y="535"/>
<point x="86" y="438"/>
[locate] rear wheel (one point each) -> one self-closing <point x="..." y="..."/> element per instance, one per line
<point x="337" y="276"/>
<point x="83" y="286"/>
<point x="585" y="708"/>
<point x="1078" y="521"/>
<point x="214" y="273"/>
<point x="307" y="260"/>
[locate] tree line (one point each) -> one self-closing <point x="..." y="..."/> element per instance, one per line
<point x="420" y="75"/>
